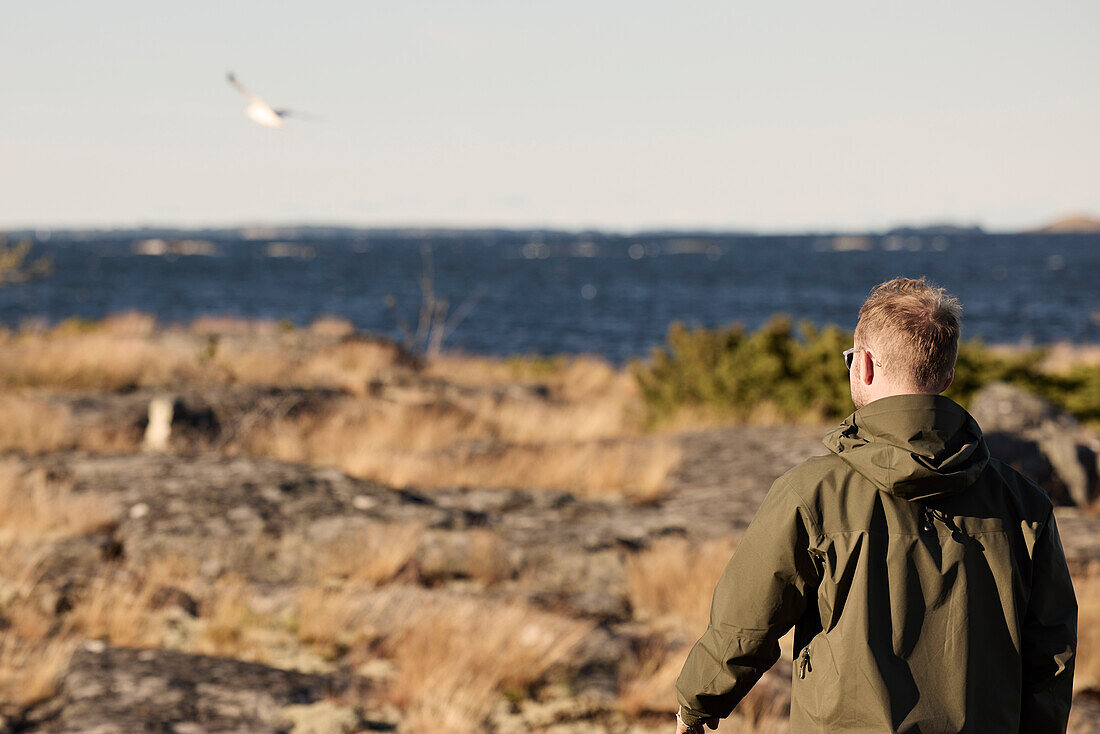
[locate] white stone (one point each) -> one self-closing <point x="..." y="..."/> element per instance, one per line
<point x="363" y="502"/>
<point x="159" y="429"/>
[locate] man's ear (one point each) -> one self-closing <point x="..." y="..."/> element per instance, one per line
<point x="866" y="368"/>
<point x="950" y="379"/>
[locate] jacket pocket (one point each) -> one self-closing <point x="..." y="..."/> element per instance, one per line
<point x="817" y="682"/>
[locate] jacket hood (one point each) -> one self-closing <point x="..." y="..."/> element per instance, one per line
<point x="912" y="446"/>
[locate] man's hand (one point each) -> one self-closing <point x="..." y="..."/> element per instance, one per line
<point x="697" y="729"/>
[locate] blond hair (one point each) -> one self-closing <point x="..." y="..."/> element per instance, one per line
<point x="913" y="327"/>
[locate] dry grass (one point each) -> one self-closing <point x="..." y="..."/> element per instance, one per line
<point x="367" y="426"/>
<point x="442" y="446"/>
<point x="696" y="417"/>
<point x="30" y="669"/>
<point x="231" y="626"/>
<point x="295" y="359"/>
<point x="373" y="555"/>
<point x="455" y="660"/>
<point x="634" y="470"/>
<point x="650" y="687"/>
<point x="533" y="421"/>
<point x="485" y="557"/>
<point x="671" y="582"/>
<point x="379" y="554"/>
<point x="586" y="398"/>
<point x="121" y="606"/>
<point x="111" y="354"/>
<point x="460" y="420"/>
<point x="33" y="425"/>
<point x="129" y="350"/>
<point x="30" y="422"/>
<point x="234" y="326"/>
<point x="334" y="621"/>
<point x="36" y="509"/>
<point x="669" y="586"/>
<point x="1087" y="672"/>
<point x="118" y="612"/>
<point x="347" y="365"/>
<point x="33" y="650"/>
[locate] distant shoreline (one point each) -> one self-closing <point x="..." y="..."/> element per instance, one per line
<point x="514" y="292"/>
<point x="1077" y="224"/>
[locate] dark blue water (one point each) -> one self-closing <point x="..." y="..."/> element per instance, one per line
<point x="549" y="293"/>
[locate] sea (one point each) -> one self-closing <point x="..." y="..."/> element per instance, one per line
<point x="504" y="292"/>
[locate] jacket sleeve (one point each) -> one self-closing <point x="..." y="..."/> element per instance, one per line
<point x="760" y="595"/>
<point x="1048" y="637"/>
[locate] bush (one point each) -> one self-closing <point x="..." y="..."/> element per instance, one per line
<point x="733" y="373"/>
<point x="798" y="374"/>
<point x="1076" y="391"/>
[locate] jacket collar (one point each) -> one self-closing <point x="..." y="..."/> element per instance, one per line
<point x="914" y="446"/>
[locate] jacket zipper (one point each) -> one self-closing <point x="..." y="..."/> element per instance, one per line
<point x="927" y="519"/>
<point x="804" y="663"/>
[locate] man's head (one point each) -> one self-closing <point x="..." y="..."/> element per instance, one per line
<point x="907" y="340"/>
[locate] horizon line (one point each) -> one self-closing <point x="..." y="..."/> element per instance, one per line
<point x="946" y="226"/>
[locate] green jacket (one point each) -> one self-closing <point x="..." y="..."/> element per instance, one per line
<point x="925" y="581"/>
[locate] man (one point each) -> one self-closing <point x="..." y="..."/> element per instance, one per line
<point x="925" y="581"/>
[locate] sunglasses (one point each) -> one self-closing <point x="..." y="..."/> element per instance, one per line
<point x="850" y="355"/>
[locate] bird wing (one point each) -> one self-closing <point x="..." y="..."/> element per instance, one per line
<point x="232" y="79"/>
<point x="297" y="115"/>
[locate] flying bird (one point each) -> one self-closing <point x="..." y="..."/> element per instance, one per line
<point x="260" y="111"/>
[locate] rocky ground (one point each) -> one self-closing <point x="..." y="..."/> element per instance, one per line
<point x="254" y="564"/>
<point x="264" y="521"/>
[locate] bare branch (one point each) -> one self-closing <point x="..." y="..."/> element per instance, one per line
<point x="464" y="309"/>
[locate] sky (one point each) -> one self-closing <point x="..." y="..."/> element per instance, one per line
<point x="610" y="114"/>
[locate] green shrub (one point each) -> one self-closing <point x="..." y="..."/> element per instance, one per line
<point x="733" y="373"/>
<point x="798" y="375"/>
<point x="1076" y="391"/>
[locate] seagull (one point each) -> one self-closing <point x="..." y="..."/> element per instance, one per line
<point x="260" y="111"/>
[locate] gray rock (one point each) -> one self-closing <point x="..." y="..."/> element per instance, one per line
<point x="193" y="420"/>
<point x="1036" y="438"/>
<point x="266" y="520"/>
<point x="323" y="717"/>
<point x="263" y="519"/>
<point x="1085" y="715"/>
<point x="124" y="691"/>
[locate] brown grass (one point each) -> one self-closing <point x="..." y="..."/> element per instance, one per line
<point x="33" y="425"/>
<point x="442" y="446"/>
<point x="671" y="582"/>
<point x="649" y="684"/>
<point x="30" y="422"/>
<point x="231" y="626"/>
<point x="117" y="612"/>
<point x="669" y="586"/>
<point x="1087" y="672"/>
<point x="373" y="555"/>
<point x="34" y="508"/>
<point x="129" y="350"/>
<point x="30" y="669"/>
<point x="485" y="560"/>
<point x="333" y="621"/>
<point x="455" y="660"/>
<point x="34" y="650"/>
<point x="293" y="359"/>
<point x="110" y="354"/>
<point x="461" y="420"/>
<point x="650" y="687"/>
<point x="119" y="606"/>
